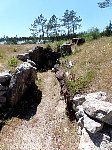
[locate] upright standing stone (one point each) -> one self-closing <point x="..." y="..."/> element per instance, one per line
<point x="22" y="79"/>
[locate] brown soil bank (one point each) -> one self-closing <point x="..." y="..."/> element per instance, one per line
<point x="48" y="129"/>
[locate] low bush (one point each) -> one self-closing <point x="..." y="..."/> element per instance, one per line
<point x="12" y="62"/>
<point x="81" y="83"/>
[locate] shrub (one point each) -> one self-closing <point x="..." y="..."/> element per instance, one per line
<point x="91" y="34"/>
<point x="14" y="49"/>
<point x="81" y="83"/>
<point x="12" y="62"/>
<point x="48" y="46"/>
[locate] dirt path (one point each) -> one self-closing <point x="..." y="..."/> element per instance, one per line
<point x="48" y="129"/>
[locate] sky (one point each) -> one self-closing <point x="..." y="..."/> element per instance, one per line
<point x="16" y="16"/>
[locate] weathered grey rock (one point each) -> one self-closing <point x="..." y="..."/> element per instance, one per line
<point x="96" y="141"/>
<point x="22" y="79"/>
<point x="31" y="62"/>
<point x="23" y="57"/>
<point x="60" y="75"/>
<point x="85" y="122"/>
<point x="79" y="112"/>
<point x="78" y="41"/>
<point x="92" y="125"/>
<point x="96" y="96"/>
<point x="65" y="49"/>
<point x="2" y="99"/>
<point x="5" y="76"/>
<point x="98" y="109"/>
<point x="78" y="100"/>
<point x="30" y="51"/>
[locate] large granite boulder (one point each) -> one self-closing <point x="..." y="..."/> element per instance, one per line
<point x="23" y="78"/>
<point x="96" y="96"/>
<point x="96" y="141"/>
<point x="94" y="117"/>
<point x="86" y="122"/>
<point x="99" y="109"/>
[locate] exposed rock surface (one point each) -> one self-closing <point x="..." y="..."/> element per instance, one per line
<point x="96" y="141"/>
<point x="91" y="125"/>
<point x="92" y="113"/>
<point x="85" y="122"/>
<point x="5" y="77"/>
<point x="21" y="80"/>
<point x="43" y="57"/>
<point x="100" y="110"/>
<point x="23" y="57"/>
<point x="65" y="49"/>
<point x="96" y="96"/>
<point x="78" y="100"/>
<point x="78" y="41"/>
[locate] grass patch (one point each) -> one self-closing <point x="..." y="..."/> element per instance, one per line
<point x="76" y="51"/>
<point x="14" y="49"/>
<point x="12" y="62"/>
<point x="81" y="83"/>
<point x="1" y="55"/>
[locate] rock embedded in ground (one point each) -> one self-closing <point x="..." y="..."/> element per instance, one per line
<point x="100" y="110"/>
<point x="96" y="141"/>
<point x="86" y="122"/>
<point x="91" y="125"/>
<point x="96" y="96"/>
<point x="65" y="49"/>
<point x="31" y="62"/>
<point x="78" y="100"/>
<point x="23" y="57"/>
<point x="60" y="75"/>
<point x="23" y="78"/>
<point x="79" y="111"/>
<point x="5" y="77"/>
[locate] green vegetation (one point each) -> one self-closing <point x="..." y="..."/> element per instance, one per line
<point x="105" y="3"/>
<point x="14" y="49"/>
<point x="81" y="83"/>
<point x="12" y="62"/>
<point x="54" y="26"/>
<point x="1" y="55"/>
<point x="91" y="34"/>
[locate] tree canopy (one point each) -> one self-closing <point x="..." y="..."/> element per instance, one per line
<point x="54" y="26"/>
<point x="106" y="3"/>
